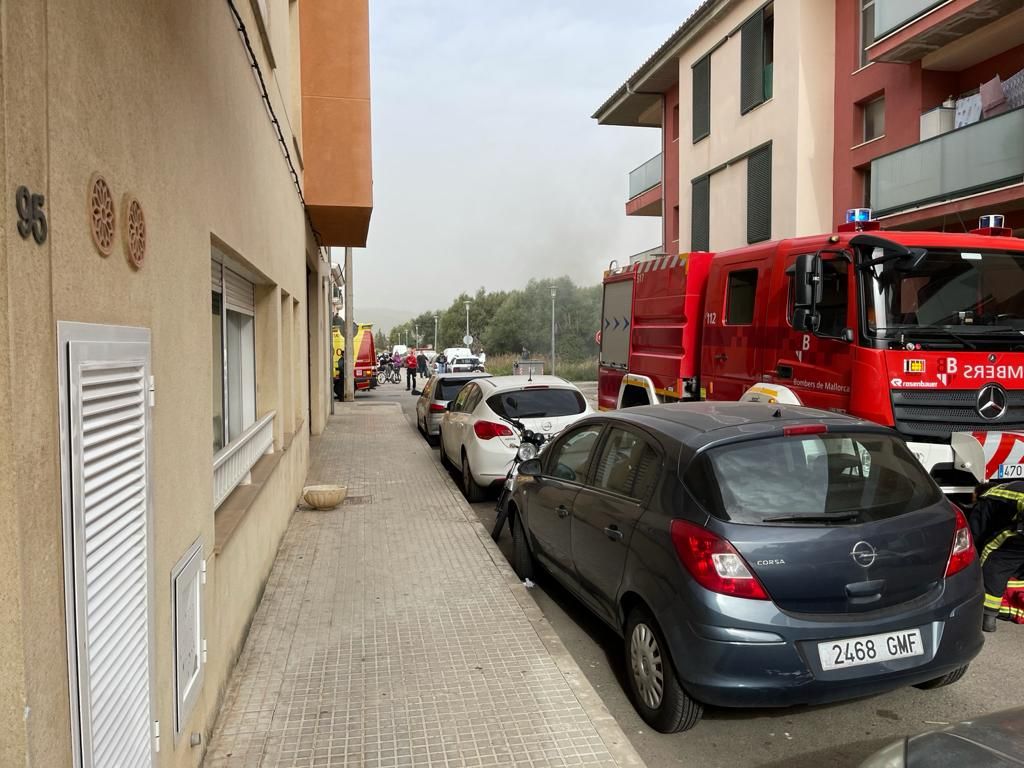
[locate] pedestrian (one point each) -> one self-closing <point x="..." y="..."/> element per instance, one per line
<point x="410" y="369"/>
<point x="396" y="360"/>
<point x="421" y="364"/>
<point x="999" y="514"/>
<point x="339" y="380"/>
<point x="442" y="363"/>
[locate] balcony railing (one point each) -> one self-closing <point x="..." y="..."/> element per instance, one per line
<point x="232" y="464"/>
<point x="647" y="176"/>
<point x="648" y="255"/>
<point x="982" y="156"/>
<point x="890" y="15"/>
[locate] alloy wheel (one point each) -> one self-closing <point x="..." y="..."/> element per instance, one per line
<point x="647" y="666"/>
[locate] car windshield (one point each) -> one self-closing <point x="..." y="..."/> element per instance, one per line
<point x="447" y="389"/>
<point x="854" y="477"/>
<point x="537" y="403"/>
<point x="963" y="292"/>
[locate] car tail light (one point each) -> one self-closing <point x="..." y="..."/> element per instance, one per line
<point x="437" y="408"/>
<point x="805" y="429"/>
<point x="713" y="562"/>
<point x="962" y="552"/>
<point x="485" y="430"/>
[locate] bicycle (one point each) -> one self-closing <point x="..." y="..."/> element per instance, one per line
<point x="389" y="375"/>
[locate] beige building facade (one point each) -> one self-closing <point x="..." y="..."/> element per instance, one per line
<point x="743" y="95"/>
<point x="164" y="346"/>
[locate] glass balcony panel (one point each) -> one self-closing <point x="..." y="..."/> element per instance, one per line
<point x="982" y="156"/>
<point x="645" y="177"/>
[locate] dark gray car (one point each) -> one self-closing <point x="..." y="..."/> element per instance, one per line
<point x="990" y="741"/>
<point x="754" y="555"/>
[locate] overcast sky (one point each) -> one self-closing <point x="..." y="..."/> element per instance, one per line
<point x="488" y="169"/>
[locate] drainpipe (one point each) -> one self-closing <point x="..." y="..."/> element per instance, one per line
<point x="350" y="353"/>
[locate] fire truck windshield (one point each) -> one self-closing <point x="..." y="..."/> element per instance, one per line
<point x="951" y="292"/>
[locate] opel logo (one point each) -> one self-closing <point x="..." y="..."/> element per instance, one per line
<point x="546" y="426"/>
<point x="991" y="402"/>
<point x="863" y="554"/>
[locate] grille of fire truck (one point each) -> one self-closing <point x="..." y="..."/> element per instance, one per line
<point x="935" y="414"/>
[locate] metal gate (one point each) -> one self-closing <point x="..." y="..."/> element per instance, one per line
<point x="105" y="390"/>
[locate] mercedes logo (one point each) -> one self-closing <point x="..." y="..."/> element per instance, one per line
<point x="991" y="402"/>
<point x="863" y="554"/>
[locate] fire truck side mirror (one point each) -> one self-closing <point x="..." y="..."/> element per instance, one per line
<point x="807" y="279"/>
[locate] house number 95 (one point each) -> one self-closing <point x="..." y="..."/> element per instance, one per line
<point x="31" y="217"/>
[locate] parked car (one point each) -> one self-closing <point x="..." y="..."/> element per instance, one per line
<point x="990" y="741"/>
<point x="433" y="401"/>
<point x="476" y="439"/>
<point x="753" y="555"/>
<point x="466" y="364"/>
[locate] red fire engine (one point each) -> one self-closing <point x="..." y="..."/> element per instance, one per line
<point x="923" y="331"/>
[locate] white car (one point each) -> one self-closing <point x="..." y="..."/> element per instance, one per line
<point x="465" y="364"/>
<point x="478" y="441"/>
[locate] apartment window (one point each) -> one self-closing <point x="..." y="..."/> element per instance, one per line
<point x="739" y="297"/>
<point x="675" y="122"/>
<point x="673" y="229"/>
<point x="234" y="355"/>
<point x="702" y="99"/>
<point x="700" y="215"/>
<point x="874" y="119"/>
<point x="867" y="29"/>
<point x="865" y="180"/>
<point x="759" y="195"/>
<point x="757" y="54"/>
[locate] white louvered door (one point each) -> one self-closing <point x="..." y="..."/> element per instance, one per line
<point x="108" y="442"/>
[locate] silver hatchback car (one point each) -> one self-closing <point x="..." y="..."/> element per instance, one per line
<point x="433" y="400"/>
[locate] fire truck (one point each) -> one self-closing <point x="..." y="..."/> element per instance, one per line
<point x="921" y="331"/>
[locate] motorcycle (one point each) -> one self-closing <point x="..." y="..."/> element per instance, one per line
<point x="530" y="443"/>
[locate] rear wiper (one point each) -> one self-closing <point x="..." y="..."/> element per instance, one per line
<point x="838" y="517"/>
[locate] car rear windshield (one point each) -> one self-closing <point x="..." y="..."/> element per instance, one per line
<point x="848" y="478"/>
<point x="447" y="389"/>
<point x="537" y="403"/>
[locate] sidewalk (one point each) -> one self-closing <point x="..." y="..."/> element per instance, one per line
<point x="393" y="633"/>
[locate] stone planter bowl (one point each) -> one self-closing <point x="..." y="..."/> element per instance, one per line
<point x="324" y="496"/>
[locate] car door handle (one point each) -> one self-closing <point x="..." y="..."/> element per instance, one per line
<point x="721" y="357"/>
<point x="562" y="511"/>
<point x="613" y="533"/>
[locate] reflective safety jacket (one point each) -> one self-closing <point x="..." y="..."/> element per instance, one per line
<point x="999" y="509"/>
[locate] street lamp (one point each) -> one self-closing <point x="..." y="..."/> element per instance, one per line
<point x="435" y="333"/>
<point x="417" y="334"/>
<point x="467" y="303"/>
<point x="553" y="292"/>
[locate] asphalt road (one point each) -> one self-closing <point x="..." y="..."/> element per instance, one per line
<point x="838" y="735"/>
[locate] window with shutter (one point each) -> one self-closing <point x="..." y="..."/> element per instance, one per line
<point x="759" y="195"/>
<point x="757" y="52"/>
<point x="700" y="215"/>
<point x="234" y="355"/>
<point x="702" y="99"/>
<point x="104" y="403"/>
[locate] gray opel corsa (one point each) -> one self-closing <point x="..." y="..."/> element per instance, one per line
<point x="753" y="555"/>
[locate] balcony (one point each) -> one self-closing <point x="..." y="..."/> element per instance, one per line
<point x="968" y="161"/>
<point x="233" y="463"/>
<point x="645" y="189"/>
<point x="911" y="30"/>
<point x="335" y="75"/>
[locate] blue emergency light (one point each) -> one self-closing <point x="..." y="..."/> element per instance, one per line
<point x="854" y="215"/>
<point x="993" y="220"/>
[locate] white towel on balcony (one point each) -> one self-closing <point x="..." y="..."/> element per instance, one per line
<point x="968" y="110"/>
<point x="1013" y="88"/>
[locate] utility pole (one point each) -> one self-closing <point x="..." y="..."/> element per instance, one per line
<point x="435" y="333"/>
<point x="467" y="303"/>
<point x="350" y="389"/>
<point x="553" y="292"/>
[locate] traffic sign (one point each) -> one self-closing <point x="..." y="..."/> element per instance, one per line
<point x="467" y="339"/>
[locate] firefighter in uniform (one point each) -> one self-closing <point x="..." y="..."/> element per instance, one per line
<point x="1001" y="512"/>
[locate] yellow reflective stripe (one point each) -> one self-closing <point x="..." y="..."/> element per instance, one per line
<point x="1002" y="493"/>
<point x="991" y="601"/>
<point x="1006" y="610"/>
<point x="1015" y="584"/>
<point x="996" y="543"/>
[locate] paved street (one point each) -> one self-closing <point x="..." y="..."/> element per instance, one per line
<point x="391" y="632"/>
<point x="808" y="737"/>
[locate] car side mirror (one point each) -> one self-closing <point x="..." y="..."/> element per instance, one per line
<point x="530" y="468"/>
<point x="450" y="406"/>
<point x="805" y="319"/>
<point x="807" y="287"/>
